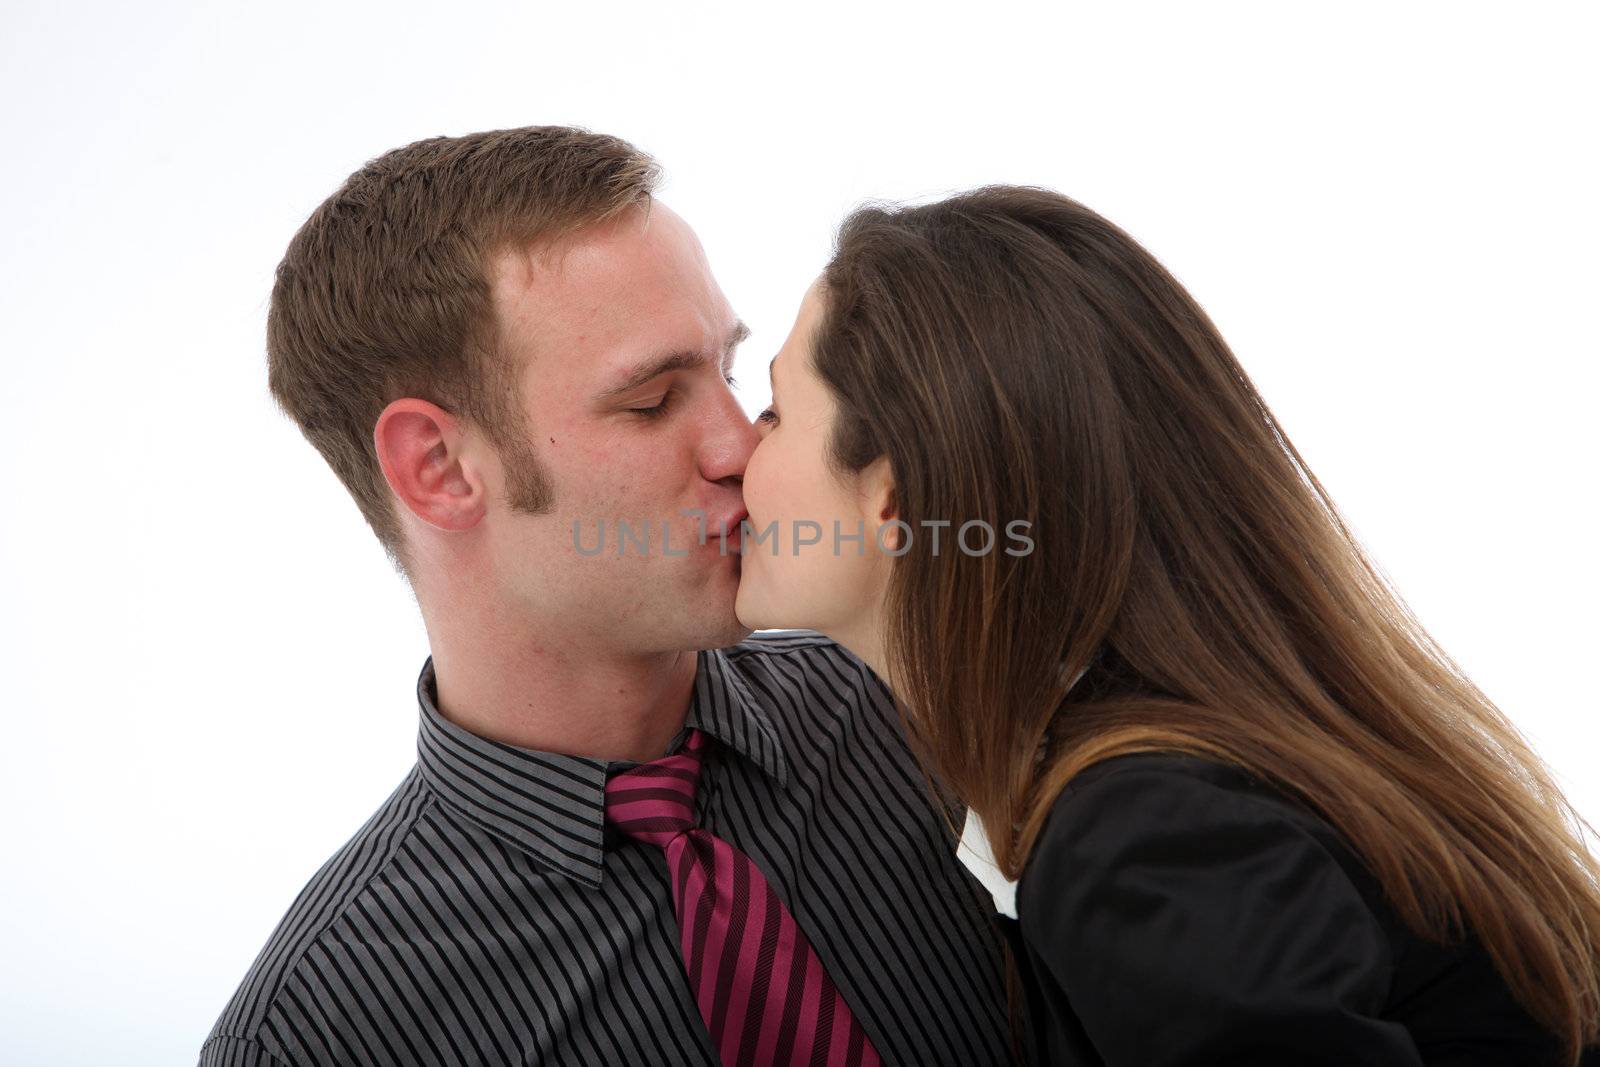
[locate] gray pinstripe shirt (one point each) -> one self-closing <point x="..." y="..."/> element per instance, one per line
<point x="486" y="914"/>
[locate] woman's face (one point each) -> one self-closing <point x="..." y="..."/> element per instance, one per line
<point x="796" y="573"/>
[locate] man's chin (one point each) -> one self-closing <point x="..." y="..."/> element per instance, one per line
<point x="722" y="635"/>
<point x="723" y="627"/>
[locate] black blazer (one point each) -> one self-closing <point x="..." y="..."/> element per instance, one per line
<point x="1176" y="911"/>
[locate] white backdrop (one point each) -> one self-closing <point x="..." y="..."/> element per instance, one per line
<point x="1389" y="209"/>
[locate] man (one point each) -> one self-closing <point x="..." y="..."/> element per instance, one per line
<point x="509" y="351"/>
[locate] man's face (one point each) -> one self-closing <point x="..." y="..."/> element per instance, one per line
<point x="625" y="343"/>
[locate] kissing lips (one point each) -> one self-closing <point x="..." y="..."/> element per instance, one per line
<point x="728" y="530"/>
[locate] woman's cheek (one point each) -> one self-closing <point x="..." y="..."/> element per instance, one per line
<point x="760" y="490"/>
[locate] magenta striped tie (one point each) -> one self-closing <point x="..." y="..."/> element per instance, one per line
<point x="760" y="987"/>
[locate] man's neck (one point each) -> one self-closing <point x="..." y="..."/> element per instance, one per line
<point x="609" y="707"/>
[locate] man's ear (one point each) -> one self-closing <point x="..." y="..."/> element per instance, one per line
<point x="419" y="448"/>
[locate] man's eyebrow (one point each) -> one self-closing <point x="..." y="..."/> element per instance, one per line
<point x="683" y="359"/>
<point x="739" y="335"/>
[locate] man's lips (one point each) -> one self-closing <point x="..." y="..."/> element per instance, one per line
<point x="729" y="523"/>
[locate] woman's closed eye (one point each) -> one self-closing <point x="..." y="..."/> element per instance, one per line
<point x="768" y="415"/>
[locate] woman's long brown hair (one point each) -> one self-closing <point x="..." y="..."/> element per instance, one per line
<point x="1191" y="586"/>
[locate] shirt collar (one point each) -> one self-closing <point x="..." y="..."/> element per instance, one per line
<point x="552" y="806"/>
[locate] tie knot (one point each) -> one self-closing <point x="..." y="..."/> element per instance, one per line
<point x="654" y="802"/>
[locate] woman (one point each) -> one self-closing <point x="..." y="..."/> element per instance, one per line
<point x="1258" y="816"/>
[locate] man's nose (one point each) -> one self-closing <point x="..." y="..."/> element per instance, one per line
<point x="728" y="446"/>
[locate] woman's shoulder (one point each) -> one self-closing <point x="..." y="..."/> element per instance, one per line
<point x="1174" y="880"/>
<point x="1170" y="771"/>
<point x="1196" y="890"/>
<point x="1180" y="811"/>
<point x="1202" y="821"/>
<point x="1183" y="799"/>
